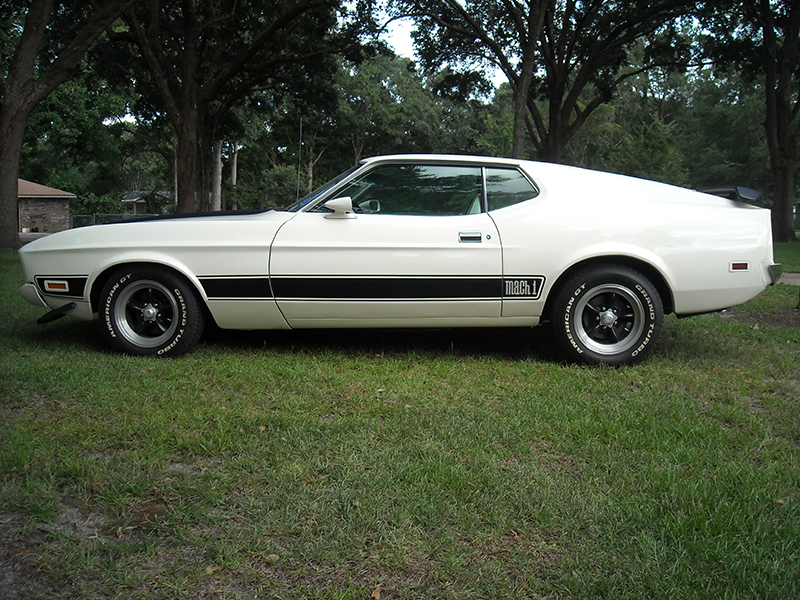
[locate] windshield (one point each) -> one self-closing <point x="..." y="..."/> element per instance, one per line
<point x="316" y="193"/>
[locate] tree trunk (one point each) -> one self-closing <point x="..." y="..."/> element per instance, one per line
<point x="19" y="97"/>
<point x="522" y="85"/>
<point x="206" y="159"/>
<point x="359" y="140"/>
<point x="188" y="168"/>
<point x="234" y="173"/>
<point x="12" y="132"/>
<point x="25" y="87"/>
<point x="195" y="154"/>
<point x="783" y="201"/>
<point x="520" y="132"/>
<point x="782" y="129"/>
<point x="216" y="178"/>
<point x="309" y="176"/>
<point x="175" y="173"/>
<point x="782" y="144"/>
<point x="552" y="136"/>
<point x="234" y="146"/>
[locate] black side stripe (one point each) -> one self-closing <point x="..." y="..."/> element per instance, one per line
<point x="358" y="288"/>
<point x="371" y="288"/>
<point x="248" y="288"/>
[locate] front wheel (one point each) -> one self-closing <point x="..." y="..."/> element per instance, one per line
<point x="150" y="311"/>
<point x="608" y="314"/>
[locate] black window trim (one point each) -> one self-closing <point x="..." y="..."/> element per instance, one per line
<point x="516" y="168"/>
<point x="366" y="167"/>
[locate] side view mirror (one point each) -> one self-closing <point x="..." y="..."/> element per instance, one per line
<point x="342" y="208"/>
<point x="370" y="206"/>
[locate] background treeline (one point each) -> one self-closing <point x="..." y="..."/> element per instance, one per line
<point x="248" y="104"/>
<point x="691" y="129"/>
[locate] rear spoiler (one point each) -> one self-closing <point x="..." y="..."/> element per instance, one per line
<point x="733" y="192"/>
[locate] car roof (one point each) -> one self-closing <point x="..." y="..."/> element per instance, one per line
<point x="444" y="159"/>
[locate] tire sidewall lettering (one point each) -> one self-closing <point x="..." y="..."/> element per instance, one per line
<point x="109" y="300"/>
<point x="650" y="308"/>
<point x="184" y="319"/>
<point x="651" y="317"/>
<point x="570" y="324"/>
<point x="568" y="313"/>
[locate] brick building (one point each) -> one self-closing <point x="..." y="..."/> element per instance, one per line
<point x="42" y="208"/>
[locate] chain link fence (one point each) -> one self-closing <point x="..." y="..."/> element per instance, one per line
<point x="101" y="218"/>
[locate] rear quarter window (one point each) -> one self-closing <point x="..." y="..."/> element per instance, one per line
<point x="506" y="187"/>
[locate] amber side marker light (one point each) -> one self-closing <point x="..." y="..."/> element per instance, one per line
<point x="56" y="286"/>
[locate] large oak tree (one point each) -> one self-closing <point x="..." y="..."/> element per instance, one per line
<point x="479" y="33"/>
<point x="563" y="58"/>
<point x="44" y="42"/>
<point x="196" y="59"/>
<point x="761" y="38"/>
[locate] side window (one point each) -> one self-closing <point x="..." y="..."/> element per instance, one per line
<point x="505" y="187"/>
<point x="435" y="190"/>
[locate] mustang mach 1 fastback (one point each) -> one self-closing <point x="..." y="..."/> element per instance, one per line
<point x="420" y="241"/>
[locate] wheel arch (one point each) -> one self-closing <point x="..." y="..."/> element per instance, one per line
<point x="645" y="268"/>
<point x="102" y="278"/>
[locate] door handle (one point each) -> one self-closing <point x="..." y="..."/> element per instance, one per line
<point x="470" y="237"/>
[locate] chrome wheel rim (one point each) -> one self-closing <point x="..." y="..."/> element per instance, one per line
<point x="145" y="314"/>
<point x="609" y="319"/>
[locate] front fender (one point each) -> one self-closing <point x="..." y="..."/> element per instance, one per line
<point x="103" y="271"/>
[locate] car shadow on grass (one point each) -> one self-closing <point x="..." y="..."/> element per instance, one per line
<point x="68" y="335"/>
<point x="65" y="334"/>
<point x="500" y="343"/>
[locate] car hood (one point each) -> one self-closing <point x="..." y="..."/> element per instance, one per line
<point x="199" y="229"/>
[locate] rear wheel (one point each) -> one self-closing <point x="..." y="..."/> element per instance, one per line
<point x="608" y="314"/>
<point x="150" y="311"/>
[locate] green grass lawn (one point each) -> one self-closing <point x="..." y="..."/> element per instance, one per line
<point x="789" y="256"/>
<point x="429" y="464"/>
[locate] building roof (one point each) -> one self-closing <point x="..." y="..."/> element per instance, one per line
<point x="28" y="189"/>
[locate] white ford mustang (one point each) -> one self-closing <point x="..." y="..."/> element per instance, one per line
<point x="420" y="241"/>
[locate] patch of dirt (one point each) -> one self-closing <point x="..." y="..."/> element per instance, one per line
<point x="274" y="573"/>
<point x="20" y="577"/>
<point x="22" y="574"/>
<point x="784" y="317"/>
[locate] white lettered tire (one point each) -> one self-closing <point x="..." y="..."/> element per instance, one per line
<point x="150" y="311"/>
<point x="608" y="314"/>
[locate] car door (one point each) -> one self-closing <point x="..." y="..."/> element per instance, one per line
<point x="417" y="249"/>
<point x="510" y="198"/>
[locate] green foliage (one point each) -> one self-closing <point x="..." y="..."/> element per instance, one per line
<point x="68" y="144"/>
<point x="648" y="151"/>
<point x="788" y="254"/>
<point x="385" y="106"/>
<point x="695" y="130"/>
<point x="88" y="204"/>
<point x="645" y="149"/>
<point x="698" y="128"/>
<point x="280" y="186"/>
<point x="721" y="125"/>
